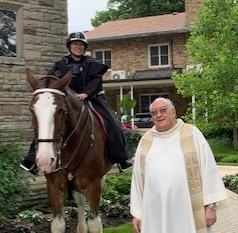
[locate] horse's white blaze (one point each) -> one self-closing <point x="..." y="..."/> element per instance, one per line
<point x="44" y="110"/>
<point x="58" y="225"/>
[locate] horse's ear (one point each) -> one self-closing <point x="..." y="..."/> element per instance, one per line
<point x="31" y="79"/>
<point x="65" y="80"/>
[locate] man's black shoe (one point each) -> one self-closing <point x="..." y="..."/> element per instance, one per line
<point x="27" y="165"/>
<point x="124" y="166"/>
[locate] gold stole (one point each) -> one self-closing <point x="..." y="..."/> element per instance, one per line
<point x="193" y="172"/>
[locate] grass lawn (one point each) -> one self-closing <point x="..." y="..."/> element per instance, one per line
<point x="224" y="151"/>
<point x="125" y="228"/>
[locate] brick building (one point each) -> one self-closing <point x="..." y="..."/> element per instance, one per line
<point x="142" y="54"/>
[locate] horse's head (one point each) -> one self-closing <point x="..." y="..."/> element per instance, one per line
<point x="48" y="111"/>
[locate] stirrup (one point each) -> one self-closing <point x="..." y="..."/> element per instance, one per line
<point x="26" y="168"/>
<point x="33" y="169"/>
<point x="121" y="170"/>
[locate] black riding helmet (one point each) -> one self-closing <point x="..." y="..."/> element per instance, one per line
<point x="77" y="36"/>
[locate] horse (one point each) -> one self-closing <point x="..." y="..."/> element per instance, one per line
<point x="70" y="145"/>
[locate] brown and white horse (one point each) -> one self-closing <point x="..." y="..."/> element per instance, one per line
<point x="70" y="144"/>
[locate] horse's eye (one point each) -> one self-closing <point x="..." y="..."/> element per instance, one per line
<point x="60" y="111"/>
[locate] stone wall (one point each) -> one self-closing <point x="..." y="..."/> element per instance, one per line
<point x="41" y="32"/>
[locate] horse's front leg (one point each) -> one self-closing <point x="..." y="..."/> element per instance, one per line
<point x="94" y="195"/>
<point x="80" y="200"/>
<point x="56" y="200"/>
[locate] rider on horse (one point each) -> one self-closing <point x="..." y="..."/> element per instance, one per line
<point x="87" y="84"/>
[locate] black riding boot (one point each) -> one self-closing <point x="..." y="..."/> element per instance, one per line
<point x="124" y="166"/>
<point x="28" y="163"/>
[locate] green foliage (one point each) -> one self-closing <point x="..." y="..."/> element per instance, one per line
<point x="25" y="220"/>
<point x="33" y="216"/>
<point x="129" y="9"/>
<point x="231" y="182"/>
<point x="213" y="44"/>
<point x="132" y="140"/>
<point x="126" y="103"/>
<point x="223" y="150"/>
<point x="115" y="195"/>
<point x="12" y="186"/>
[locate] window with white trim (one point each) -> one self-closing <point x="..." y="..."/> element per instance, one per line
<point x="159" y="55"/>
<point x="146" y="99"/>
<point x="104" y="56"/>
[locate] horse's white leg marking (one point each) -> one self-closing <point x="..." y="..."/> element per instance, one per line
<point x="44" y="110"/>
<point x="95" y="225"/>
<point x="58" y="225"/>
<point x="80" y="200"/>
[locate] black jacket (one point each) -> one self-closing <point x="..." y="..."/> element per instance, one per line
<point x="87" y="78"/>
<point x="87" y="74"/>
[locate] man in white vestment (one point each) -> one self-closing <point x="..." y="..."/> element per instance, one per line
<point x="176" y="185"/>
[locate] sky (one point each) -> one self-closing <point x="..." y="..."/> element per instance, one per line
<point x="80" y="13"/>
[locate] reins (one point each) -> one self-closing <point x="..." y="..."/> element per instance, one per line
<point x="63" y="144"/>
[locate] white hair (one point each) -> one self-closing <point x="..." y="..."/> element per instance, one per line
<point x="168" y="102"/>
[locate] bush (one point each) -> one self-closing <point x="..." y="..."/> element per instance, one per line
<point x="132" y="140"/>
<point x="26" y="220"/>
<point x="116" y="195"/>
<point x="12" y="186"/>
<point x="231" y="182"/>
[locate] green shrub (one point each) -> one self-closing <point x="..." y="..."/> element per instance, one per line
<point x="12" y="186"/>
<point x="116" y="195"/>
<point x="33" y="216"/>
<point x="26" y="220"/>
<point x="231" y="182"/>
<point x="132" y="140"/>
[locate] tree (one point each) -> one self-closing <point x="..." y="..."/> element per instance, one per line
<point x="129" y="9"/>
<point x="214" y="45"/>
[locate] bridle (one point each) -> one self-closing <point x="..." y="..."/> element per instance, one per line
<point x="59" y="140"/>
<point x="63" y="143"/>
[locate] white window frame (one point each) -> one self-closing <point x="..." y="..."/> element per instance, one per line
<point x="19" y="31"/>
<point x="103" y="55"/>
<point x="149" y="55"/>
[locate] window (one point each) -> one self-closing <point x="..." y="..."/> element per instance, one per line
<point x="159" y="55"/>
<point x="11" y="32"/>
<point x="7" y="33"/>
<point x="147" y="99"/>
<point x="104" y="56"/>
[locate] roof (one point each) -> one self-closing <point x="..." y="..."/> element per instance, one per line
<point x="139" y="27"/>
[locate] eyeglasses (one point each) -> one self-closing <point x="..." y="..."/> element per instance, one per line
<point x="160" y="110"/>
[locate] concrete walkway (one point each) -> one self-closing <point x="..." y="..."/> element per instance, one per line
<point x="227" y="217"/>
